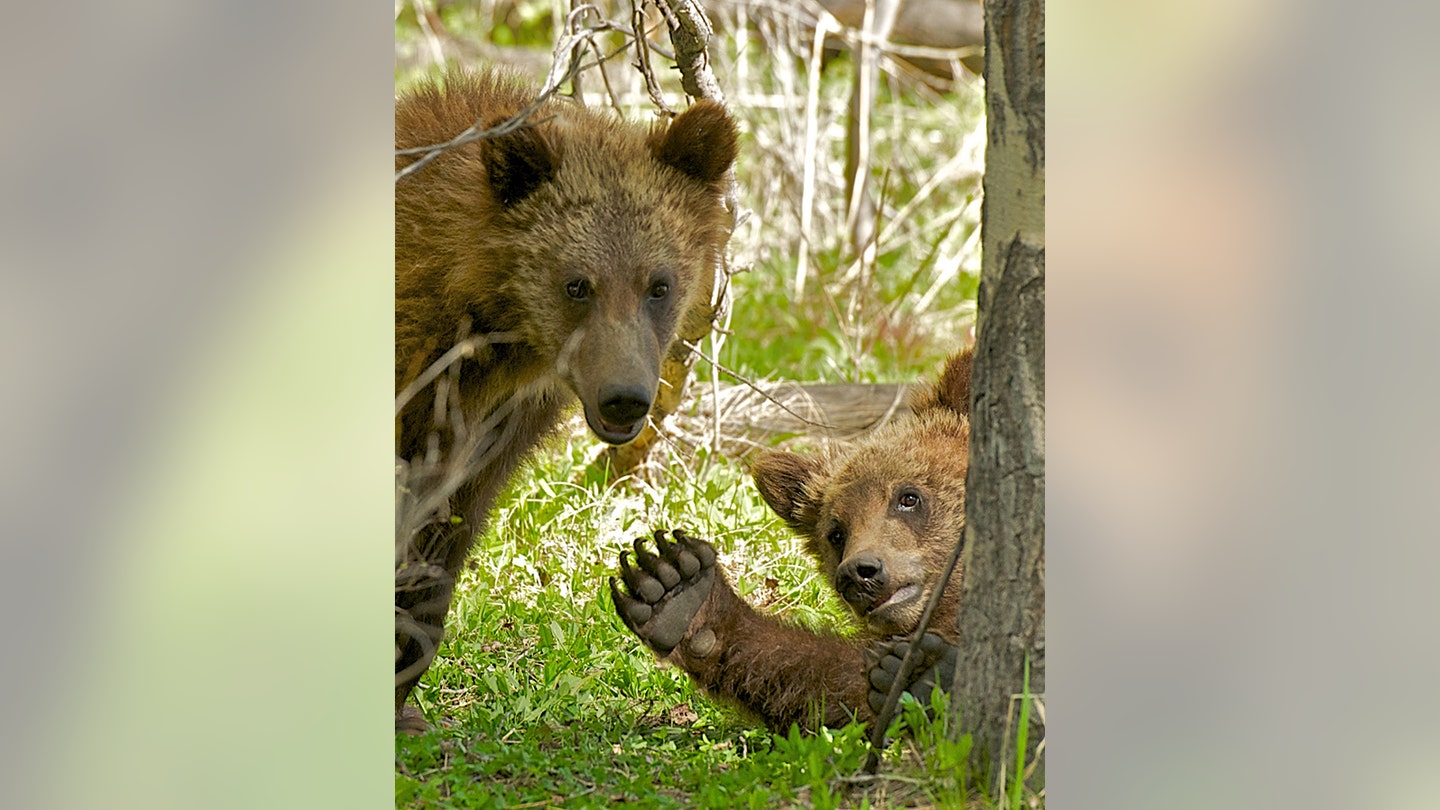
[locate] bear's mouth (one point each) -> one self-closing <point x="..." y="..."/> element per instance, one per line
<point x="613" y="434"/>
<point x="900" y="599"/>
<point x="898" y="613"/>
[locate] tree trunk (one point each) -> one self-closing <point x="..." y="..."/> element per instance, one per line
<point x="1002" y="607"/>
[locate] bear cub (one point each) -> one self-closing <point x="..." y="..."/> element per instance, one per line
<point x="880" y="520"/>
<point x="573" y="245"/>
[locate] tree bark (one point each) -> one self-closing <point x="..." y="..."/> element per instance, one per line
<point x="1002" y="607"/>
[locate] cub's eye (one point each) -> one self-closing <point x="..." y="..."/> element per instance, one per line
<point x="908" y="500"/>
<point x="659" y="290"/>
<point x="579" y="289"/>
<point x="836" y="537"/>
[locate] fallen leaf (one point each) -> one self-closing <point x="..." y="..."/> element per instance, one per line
<point x="683" y="715"/>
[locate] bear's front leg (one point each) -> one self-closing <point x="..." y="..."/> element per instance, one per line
<point x="666" y="590"/>
<point x="934" y="669"/>
<point x="681" y="606"/>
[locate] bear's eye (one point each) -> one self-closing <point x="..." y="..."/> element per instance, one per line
<point x="836" y="537"/>
<point x="659" y="290"/>
<point x="578" y="290"/>
<point x="908" y="500"/>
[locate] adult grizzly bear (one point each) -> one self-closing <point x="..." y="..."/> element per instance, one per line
<point x="576" y="242"/>
<point x="880" y="519"/>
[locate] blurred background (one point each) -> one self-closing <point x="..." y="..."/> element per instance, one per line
<point x="195" y="295"/>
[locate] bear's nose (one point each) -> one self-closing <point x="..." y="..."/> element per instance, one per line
<point x="859" y="578"/>
<point x="624" y="405"/>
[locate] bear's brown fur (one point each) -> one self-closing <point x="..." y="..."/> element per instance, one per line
<point x="578" y="242"/>
<point x="880" y="519"/>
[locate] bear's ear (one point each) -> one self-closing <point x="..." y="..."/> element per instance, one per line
<point x="784" y="481"/>
<point x="701" y="142"/>
<point x="952" y="390"/>
<point x="517" y="163"/>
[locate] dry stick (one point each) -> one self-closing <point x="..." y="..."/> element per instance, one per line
<point x="463" y="349"/>
<point x="950" y="271"/>
<point x="812" y="126"/>
<point x="477" y="132"/>
<point x="604" y="77"/>
<point x="642" y="58"/>
<point x="941" y="176"/>
<point x="690" y="33"/>
<point x="810" y="13"/>
<point x="757" y="389"/>
<point x="902" y="677"/>
<point x="945" y="223"/>
<point x="437" y="52"/>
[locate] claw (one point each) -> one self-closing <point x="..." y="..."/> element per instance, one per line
<point x="663" y="570"/>
<point x="669" y="552"/>
<point x="703" y="551"/>
<point x="688" y="563"/>
<point x="632" y="611"/>
<point x="640" y="583"/>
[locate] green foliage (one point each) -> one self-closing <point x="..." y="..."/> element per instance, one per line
<point x="540" y="695"/>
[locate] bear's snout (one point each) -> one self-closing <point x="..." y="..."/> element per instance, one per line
<point x="860" y="579"/>
<point x="624" y="405"/>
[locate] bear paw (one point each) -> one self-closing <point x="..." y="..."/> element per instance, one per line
<point x="936" y="666"/>
<point x="666" y="590"/>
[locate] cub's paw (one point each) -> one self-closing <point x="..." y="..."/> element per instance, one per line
<point x="665" y="590"/>
<point x="936" y="667"/>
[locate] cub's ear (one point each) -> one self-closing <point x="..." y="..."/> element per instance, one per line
<point x="952" y="390"/>
<point x="784" y="481"/>
<point x="518" y="163"/>
<point x="701" y="142"/>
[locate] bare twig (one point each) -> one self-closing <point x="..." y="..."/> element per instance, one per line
<point x="812" y="136"/>
<point x="604" y="77"/>
<point x="464" y="349"/>
<point x="560" y="72"/>
<point x="690" y="33"/>
<point x="437" y="51"/>
<point x="907" y="664"/>
<point x="757" y="389"/>
<point x="642" y="58"/>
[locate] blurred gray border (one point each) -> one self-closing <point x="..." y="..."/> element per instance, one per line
<point x="1240" y="568"/>
<point x="151" y="157"/>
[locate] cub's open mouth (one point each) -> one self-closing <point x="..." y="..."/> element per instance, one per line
<point x="901" y="597"/>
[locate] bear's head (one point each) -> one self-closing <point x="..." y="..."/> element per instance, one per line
<point x="612" y="233"/>
<point x="883" y="516"/>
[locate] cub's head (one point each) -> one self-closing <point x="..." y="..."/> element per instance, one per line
<point x="882" y="517"/>
<point x="612" y="233"/>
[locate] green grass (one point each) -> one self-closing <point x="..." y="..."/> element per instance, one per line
<point x="541" y="697"/>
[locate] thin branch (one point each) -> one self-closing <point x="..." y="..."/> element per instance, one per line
<point x="437" y="51"/>
<point x="642" y="59"/>
<point x="460" y="351"/>
<point x="757" y="389"/>
<point x="812" y="137"/>
<point x="572" y="64"/>
<point x="690" y="33"/>
<point x="907" y="664"/>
